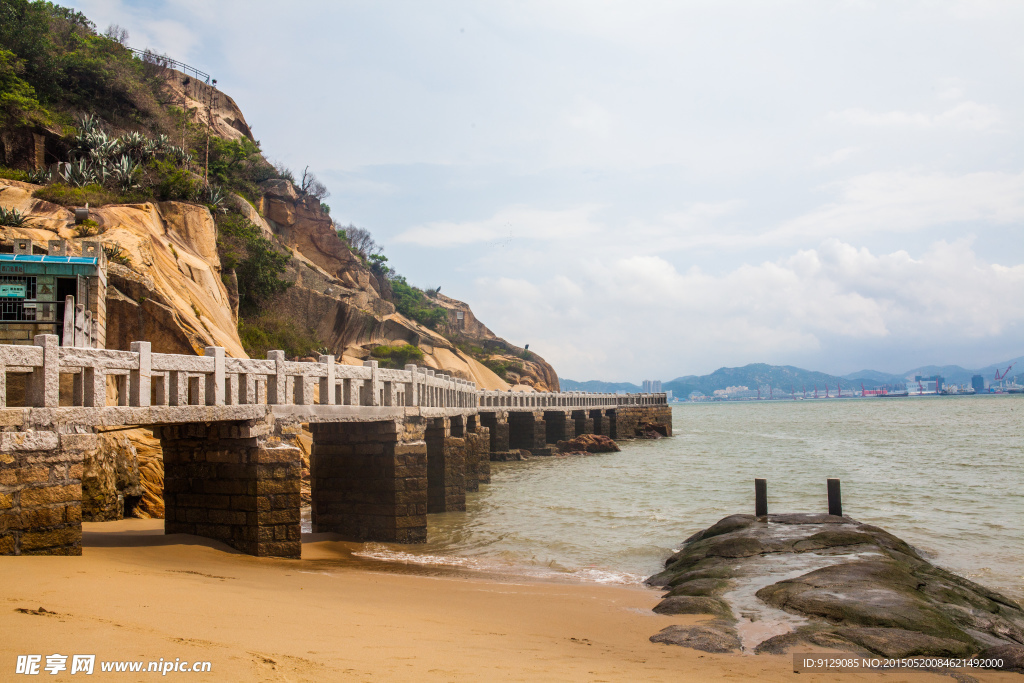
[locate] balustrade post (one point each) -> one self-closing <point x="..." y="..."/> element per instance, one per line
<point x="215" y="379"/>
<point x="374" y="386"/>
<point x="411" y="388"/>
<point x="276" y="384"/>
<point x="94" y="385"/>
<point x="327" y="383"/>
<point x="45" y="380"/>
<point x="3" y="383"/>
<point x="139" y="381"/>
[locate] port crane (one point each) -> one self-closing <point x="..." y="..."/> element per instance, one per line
<point x="1002" y="377"/>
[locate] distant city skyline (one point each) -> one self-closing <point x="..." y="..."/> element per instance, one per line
<point x="638" y="187"/>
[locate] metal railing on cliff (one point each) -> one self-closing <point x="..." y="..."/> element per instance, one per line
<point x="151" y="57"/>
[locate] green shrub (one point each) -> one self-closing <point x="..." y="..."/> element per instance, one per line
<point x="87" y="228"/>
<point x="93" y="195"/>
<point x="175" y="183"/>
<point x="501" y="368"/>
<point x="254" y="259"/>
<point x="18" y="103"/>
<point x="397" y="356"/>
<point x="413" y="304"/>
<point x="269" y="332"/>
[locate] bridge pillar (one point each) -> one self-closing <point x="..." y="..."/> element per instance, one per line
<point x="584" y="423"/>
<point x="369" y="480"/>
<point x="41" y="492"/>
<point x="526" y="430"/>
<point x="234" y="482"/>
<point x="559" y="426"/>
<point x="478" y="454"/>
<point x="600" y="422"/>
<point x="613" y="426"/>
<point x="446" y="465"/>
<point x="498" y="431"/>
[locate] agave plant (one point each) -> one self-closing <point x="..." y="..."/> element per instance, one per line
<point x="179" y="154"/>
<point x="216" y="197"/>
<point x="88" y="123"/>
<point x="41" y="177"/>
<point x="122" y="173"/>
<point x="12" y="218"/>
<point x="136" y="145"/>
<point x="104" y="149"/>
<point x="77" y="173"/>
<point x="161" y="143"/>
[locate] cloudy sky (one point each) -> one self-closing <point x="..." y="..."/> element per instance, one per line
<point x="651" y="189"/>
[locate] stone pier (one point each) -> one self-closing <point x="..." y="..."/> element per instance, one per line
<point x="446" y="465"/>
<point x="478" y="454"/>
<point x="498" y="430"/>
<point x="41" y="492"/>
<point x="583" y="423"/>
<point x="235" y="482"/>
<point x="559" y="426"/>
<point x="369" y="479"/>
<point x="527" y="430"/>
<point x="601" y="422"/>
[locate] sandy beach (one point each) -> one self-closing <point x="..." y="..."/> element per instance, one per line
<point x="136" y="594"/>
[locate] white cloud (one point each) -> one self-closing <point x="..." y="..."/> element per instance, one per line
<point x="966" y="115"/>
<point x="836" y="157"/>
<point x="906" y="201"/>
<point x="504" y="228"/>
<point x="637" y="313"/>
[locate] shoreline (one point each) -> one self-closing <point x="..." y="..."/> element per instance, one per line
<point x="136" y="594"/>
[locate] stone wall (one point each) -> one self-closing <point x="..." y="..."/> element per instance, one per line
<point x="628" y="421"/>
<point x="235" y="483"/>
<point x="41" y="492"/>
<point x="369" y="480"/>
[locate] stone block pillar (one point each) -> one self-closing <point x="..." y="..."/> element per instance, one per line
<point x="234" y="482"/>
<point x="478" y="458"/>
<point x="613" y="426"/>
<point x="446" y="467"/>
<point x="527" y="430"/>
<point x="583" y="422"/>
<point x="369" y="480"/>
<point x="498" y="430"/>
<point x="41" y="492"/>
<point x="600" y="421"/>
<point x="558" y="426"/>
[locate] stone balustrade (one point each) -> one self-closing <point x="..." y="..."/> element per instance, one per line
<point x="143" y="379"/>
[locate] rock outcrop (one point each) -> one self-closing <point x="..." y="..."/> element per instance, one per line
<point x="589" y="443"/>
<point x="844" y="585"/>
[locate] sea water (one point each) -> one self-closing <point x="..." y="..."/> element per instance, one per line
<point x="946" y="474"/>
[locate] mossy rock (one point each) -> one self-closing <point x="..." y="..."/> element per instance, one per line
<point x="717" y="636"/>
<point x="701" y="586"/>
<point x="833" y="538"/>
<point x="691" y="604"/>
<point x="873" y="593"/>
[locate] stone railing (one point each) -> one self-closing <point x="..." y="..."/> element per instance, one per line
<point x="146" y="379"/>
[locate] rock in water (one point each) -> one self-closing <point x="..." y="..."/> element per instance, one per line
<point x="588" y="443"/>
<point x="843" y="585"/>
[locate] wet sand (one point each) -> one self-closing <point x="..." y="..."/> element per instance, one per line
<point x="136" y="594"/>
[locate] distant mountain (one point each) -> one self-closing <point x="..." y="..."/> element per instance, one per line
<point x="782" y="378"/>
<point x="598" y="386"/>
<point x="954" y="374"/>
<point x="874" y="376"/>
<point x="786" y="378"/>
